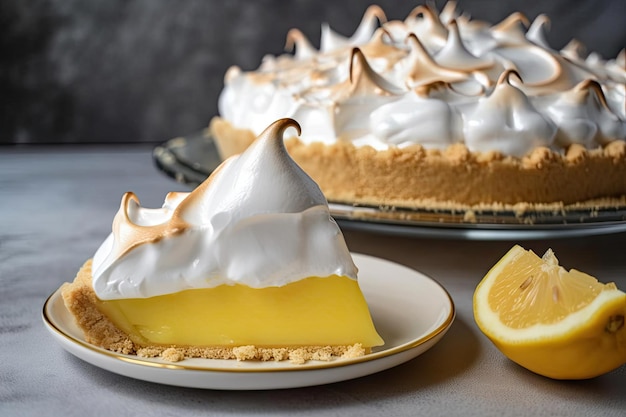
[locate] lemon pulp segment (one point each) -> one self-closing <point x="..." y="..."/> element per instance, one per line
<point x="530" y="290"/>
<point x="310" y="312"/>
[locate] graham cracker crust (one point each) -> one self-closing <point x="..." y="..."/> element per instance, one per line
<point x="419" y="177"/>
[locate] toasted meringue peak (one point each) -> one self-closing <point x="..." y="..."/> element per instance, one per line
<point x="372" y="13"/>
<point x="276" y="130"/>
<point x="574" y="50"/>
<point x="424" y="22"/>
<point x="380" y="50"/>
<point x="537" y="31"/>
<point x="364" y="91"/>
<point x="610" y="125"/>
<point x="364" y="81"/>
<point x="331" y="41"/>
<point x="247" y="191"/>
<point x="507" y="122"/>
<point x="583" y="116"/>
<point x="454" y="54"/>
<point x="232" y="73"/>
<point x="430" y="19"/>
<point x="583" y="89"/>
<point x="512" y="30"/>
<point x="424" y="70"/>
<point x="505" y="77"/>
<point x="449" y="13"/>
<point x="133" y="227"/>
<point x="296" y="39"/>
<point x="336" y="92"/>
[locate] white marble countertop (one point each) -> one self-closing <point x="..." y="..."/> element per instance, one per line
<point x="56" y="206"/>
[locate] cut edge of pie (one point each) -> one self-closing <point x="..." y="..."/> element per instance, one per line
<point x="82" y="302"/>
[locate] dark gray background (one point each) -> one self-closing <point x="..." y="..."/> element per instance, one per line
<point x="147" y="70"/>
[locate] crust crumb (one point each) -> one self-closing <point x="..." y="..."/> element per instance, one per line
<point x="323" y="354"/>
<point x="149" y="352"/>
<point x="354" y="351"/>
<point x="243" y="353"/>
<point x="298" y="356"/>
<point x="172" y="355"/>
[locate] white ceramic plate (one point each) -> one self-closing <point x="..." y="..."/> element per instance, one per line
<point x="410" y="311"/>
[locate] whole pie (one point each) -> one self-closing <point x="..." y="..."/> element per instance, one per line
<point x="440" y="110"/>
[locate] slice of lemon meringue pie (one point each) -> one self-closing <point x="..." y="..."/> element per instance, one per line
<point x="249" y="265"/>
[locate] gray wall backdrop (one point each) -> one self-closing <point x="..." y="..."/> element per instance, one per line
<point x="106" y="71"/>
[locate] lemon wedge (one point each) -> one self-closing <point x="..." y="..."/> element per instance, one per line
<point x="557" y="323"/>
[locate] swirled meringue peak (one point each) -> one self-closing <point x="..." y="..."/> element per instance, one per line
<point x="376" y="88"/>
<point x="507" y="122"/>
<point x="258" y="220"/>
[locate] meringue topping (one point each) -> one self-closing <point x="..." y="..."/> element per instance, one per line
<point x="507" y="122"/>
<point x="537" y="31"/>
<point x="455" y="55"/>
<point x="331" y="41"/>
<point x="512" y="30"/>
<point x="424" y="23"/>
<point x="376" y="88"/>
<point x="258" y="220"/>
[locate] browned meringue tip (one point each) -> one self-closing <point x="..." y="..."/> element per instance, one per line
<point x="128" y="198"/>
<point x="511" y="21"/>
<point x="429" y="14"/>
<point x="454" y="38"/>
<point x="589" y="85"/>
<point x="543" y="20"/>
<point x="277" y="129"/>
<point x="380" y="34"/>
<point x="449" y="8"/>
<point x="232" y="72"/>
<point x="362" y="77"/>
<point x="416" y="45"/>
<point x="295" y="38"/>
<point x="537" y="31"/>
<point x="357" y="63"/>
<point x="574" y="48"/>
<point x="424" y="64"/>
<point x="505" y="77"/>
<point x="375" y="11"/>
<point x="130" y="235"/>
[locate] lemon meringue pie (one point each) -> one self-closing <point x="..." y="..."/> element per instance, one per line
<point x="249" y="265"/>
<point x="440" y="110"/>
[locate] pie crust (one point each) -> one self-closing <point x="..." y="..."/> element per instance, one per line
<point x="415" y="177"/>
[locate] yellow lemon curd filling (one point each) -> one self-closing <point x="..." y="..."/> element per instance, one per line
<point x="311" y="312"/>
